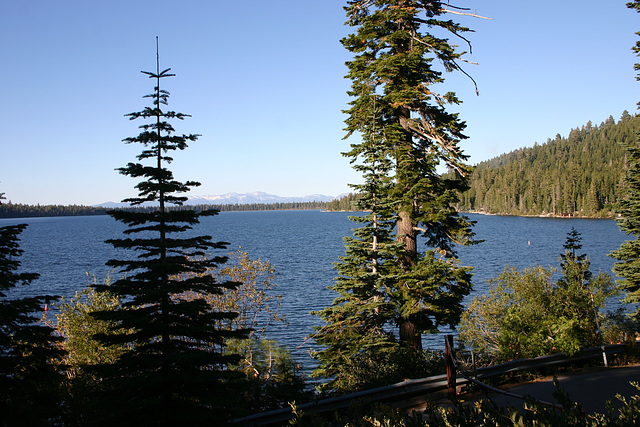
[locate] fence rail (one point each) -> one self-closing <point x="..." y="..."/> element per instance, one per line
<point x="417" y="387"/>
<point x="552" y="359"/>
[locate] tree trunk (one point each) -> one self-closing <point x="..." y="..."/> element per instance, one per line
<point x="409" y="334"/>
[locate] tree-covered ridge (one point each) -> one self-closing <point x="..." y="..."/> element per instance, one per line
<point x="578" y="175"/>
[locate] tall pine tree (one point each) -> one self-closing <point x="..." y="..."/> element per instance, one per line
<point x="395" y="52"/>
<point x="175" y="370"/>
<point x="355" y="338"/>
<point x="30" y="375"/>
<point x="386" y="280"/>
<point x="628" y="255"/>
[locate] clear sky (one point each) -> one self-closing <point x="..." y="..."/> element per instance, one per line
<point x="264" y="82"/>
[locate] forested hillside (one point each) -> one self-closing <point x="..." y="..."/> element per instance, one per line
<point x="580" y="175"/>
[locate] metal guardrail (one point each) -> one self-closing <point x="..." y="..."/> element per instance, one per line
<point x="399" y="391"/>
<point x="411" y="388"/>
<point x="553" y="359"/>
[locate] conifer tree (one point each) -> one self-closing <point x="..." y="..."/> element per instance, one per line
<point x="628" y="254"/>
<point x="354" y="338"/>
<point x="396" y="52"/>
<point x="174" y="370"/>
<point x="385" y="279"/>
<point x="29" y="374"/>
<point x="574" y="266"/>
<point x="578" y="294"/>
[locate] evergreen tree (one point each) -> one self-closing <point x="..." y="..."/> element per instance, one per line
<point x="395" y="48"/>
<point x="355" y="342"/>
<point x="571" y="245"/>
<point x="580" y="296"/>
<point x="29" y="373"/>
<point x="628" y="255"/>
<point x="385" y="281"/>
<point x="174" y="370"/>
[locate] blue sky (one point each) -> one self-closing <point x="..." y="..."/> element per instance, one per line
<point x="264" y="82"/>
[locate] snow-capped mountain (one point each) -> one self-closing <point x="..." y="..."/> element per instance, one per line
<point x="255" y="197"/>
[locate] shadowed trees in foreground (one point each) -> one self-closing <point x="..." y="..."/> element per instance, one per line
<point x="174" y="369"/>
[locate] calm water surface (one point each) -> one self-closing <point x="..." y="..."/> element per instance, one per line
<point x="302" y="246"/>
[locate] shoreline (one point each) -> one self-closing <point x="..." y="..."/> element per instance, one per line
<point x="544" y="215"/>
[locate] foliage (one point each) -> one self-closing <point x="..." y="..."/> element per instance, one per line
<point x="273" y="374"/>
<point x="252" y="298"/>
<point x="274" y="377"/>
<point x="385" y="281"/>
<point x="527" y="315"/>
<point x="628" y="254"/>
<point x="484" y="413"/>
<point x="348" y="202"/>
<point x="355" y="338"/>
<point x="174" y="369"/>
<point x="78" y="327"/>
<point x="29" y="372"/>
<point x="577" y="175"/>
<point x="19" y="210"/>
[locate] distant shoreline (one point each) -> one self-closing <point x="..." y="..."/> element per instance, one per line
<point x="9" y="210"/>
<point x="546" y="215"/>
<point x="17" y="211"/>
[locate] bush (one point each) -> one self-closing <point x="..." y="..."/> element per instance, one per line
<point x="527" y="315"/>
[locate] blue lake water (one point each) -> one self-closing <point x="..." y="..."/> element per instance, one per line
<point x="302" y="246"/>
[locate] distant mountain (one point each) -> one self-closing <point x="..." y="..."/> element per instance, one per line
<point x="110" y="205"/>
<point x="255" y="197"/>
<point x="240" y="199"/>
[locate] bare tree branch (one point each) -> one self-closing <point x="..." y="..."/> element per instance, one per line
<point x="455" y="12"/>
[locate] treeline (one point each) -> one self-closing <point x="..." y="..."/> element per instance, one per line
<point x="344" y="203"/>
<point x="580" y="175"/>
<point x="280" y="206"/>
<point x="18" y="210"/>
<point x="11" y="210"/>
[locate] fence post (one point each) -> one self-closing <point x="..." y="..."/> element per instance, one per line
<point x="451" y="366"/>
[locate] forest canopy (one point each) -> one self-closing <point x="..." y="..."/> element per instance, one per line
<point x="578" y="175"/>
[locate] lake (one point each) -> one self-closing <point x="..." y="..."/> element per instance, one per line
<point x="302" y="246"/>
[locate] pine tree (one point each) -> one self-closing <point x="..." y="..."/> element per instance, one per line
<point x="29" y="372"/>
<point x="355" y="342"/>
<point x="395" y="48"/>
<point x="581" y="296"/>
<point x="571" y="246"/>
<point x="628" y="255"/>
<point x="175" y="369"/>
<point x="406" y="133"/>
